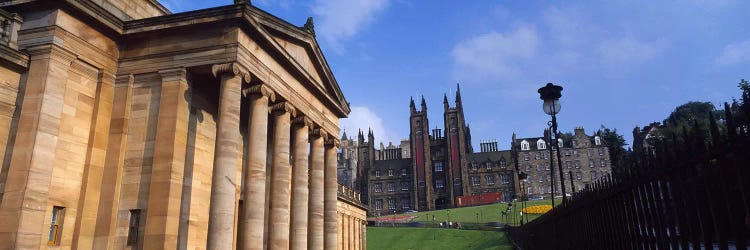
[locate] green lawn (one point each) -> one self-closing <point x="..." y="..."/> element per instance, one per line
<point x="487" y="213"/>
<point x="434" y="238"/>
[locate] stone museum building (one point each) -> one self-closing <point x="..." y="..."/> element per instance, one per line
<point x="125" y="126"/>
<point x="439" y="169"/>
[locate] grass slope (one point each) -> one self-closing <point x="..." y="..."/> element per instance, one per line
<point x="434" y="238"/>
<point x="487" y="213"/>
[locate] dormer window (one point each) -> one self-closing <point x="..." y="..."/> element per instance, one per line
<point x="597" y="140"/>
<point x="524" y="145"/>
<point x="541" y="145"/>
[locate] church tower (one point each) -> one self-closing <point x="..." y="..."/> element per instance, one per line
<point x="365" y="158"/>
<point x="420" y="148"/>
<point x="459" y="144"/>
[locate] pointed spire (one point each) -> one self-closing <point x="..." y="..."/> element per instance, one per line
<point x="458" y="95"/>
<point x="424" y="105"/>
<point x="446" y="106"/>
<point x="411" y="105"/>
<point x="343" y="136"/>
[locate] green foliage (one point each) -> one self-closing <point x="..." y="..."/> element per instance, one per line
<point x="434" y="238"/>
<point x="487" y="213"/>
<point x="615" y="142"/>
<point x="685" y="117"/>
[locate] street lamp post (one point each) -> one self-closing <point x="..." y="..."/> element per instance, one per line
<point x="551" y="94"/>
<point x="548" y="137"/>
<point x="522" y="176"/>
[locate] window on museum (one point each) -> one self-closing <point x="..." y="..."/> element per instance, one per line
<point x="378" y="187"/>
<point x="438" y="166"/>
<point x="377" y="173"/>
<point x="55" y="228"/>
<point x="378" y="204"/>
<point x="475" y="181"/>
<point x="602" y="163"/>
<point x="391" y="187"/>
<point x="403" y="172"/>
<point x="404" y="186"/>
<point x="490" y="180"/>
<point x="390" y="172"/>
<point x="541" y="145"/>
<point x="439" y="184"/>
<point x="405" y="203"/>
<point x="135" y="220"/>
<point x="524" y="145"/>
<point x="391" y="204"/>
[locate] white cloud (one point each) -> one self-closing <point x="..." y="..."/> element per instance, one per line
<point x="342" y="19"/>
<point x="495" y="55"/>
<point x="735" y="53"/>
<point x="363" y="118"/>
<point x="627" y="51"/>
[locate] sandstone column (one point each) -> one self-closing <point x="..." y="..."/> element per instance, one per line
<point x="340" y="238"/>
<point x="316" y="229"/>
<point x="24" y="204"/>
<point x="223" y="183"/>
<point x="109" y="194"/>
<point x="255" y="175"/>
<point x="281" y="175"/>
<point x="330" y="194"/>
<point x="300" y="192"/>
<point x="165" y="193"/>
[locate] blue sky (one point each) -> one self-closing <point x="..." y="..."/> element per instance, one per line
<point x="622" y="63"/>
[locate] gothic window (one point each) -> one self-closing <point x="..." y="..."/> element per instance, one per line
<point x="403" y="172"/>
<point x="377" y="173"/>
<point x="405" y="203"/>
<point x="488" y="165"/>
<point x="597" y="140"/>
<point x="475" y="181"/>
<point x="474" y="166"/>
<point x="504" y="179"/>
<point x="526" y="156"/>
<point x="378" y="187"/>
<point x="391" y="187"/>
<point x="503" y="163"/>
<point x="404" y="186"/>
<point x="439" y="184"/>
<point x="524" y="145"/>
<point x="541" y="145"/>
<point x="601" y="151"/>
<point x="593" y="175"/>
<point x="379" y="204"/>
<point x="438" y="166"/>
<point x="602" y="163"/>
<point x="490" y="180"/>
<point x="390" y="172"/>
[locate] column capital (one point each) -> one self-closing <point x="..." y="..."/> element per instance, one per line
<point x="333" y="142"/>
<point x="173" y="74"/>
<point x="124" y="79"/>
<point x="260" y="89"/>
<point x="51" y="51"/>
<point x="230" y="68"/>
<point x="303" y="120"/>
<point x="318" y="132"/>
<point x="284" y="107"/>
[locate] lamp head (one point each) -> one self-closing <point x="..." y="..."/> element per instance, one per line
<point x="550" y="94"/>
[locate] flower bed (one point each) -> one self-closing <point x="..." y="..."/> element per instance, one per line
<point x="540" y="209"/>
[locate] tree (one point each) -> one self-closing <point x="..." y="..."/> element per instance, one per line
<point x="619" y="157"/>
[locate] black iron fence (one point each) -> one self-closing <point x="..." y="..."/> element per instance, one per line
<point x="691" y="191"/>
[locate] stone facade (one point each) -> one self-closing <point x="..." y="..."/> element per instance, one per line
<point x="585" y="157"/>
<point x="124" y="126"/>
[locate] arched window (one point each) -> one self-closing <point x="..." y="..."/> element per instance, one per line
<point x="524" y="145"/>
<point x="540" y="144"/>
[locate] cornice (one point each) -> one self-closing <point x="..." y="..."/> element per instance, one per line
<point x="17" y="59"/>
<point x="124" y="79"/>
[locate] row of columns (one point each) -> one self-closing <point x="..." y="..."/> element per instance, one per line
<point x="302" y="204"/>
<point x="352" y="232"/>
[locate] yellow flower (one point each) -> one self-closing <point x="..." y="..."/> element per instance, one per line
<point x="540" y="209"/>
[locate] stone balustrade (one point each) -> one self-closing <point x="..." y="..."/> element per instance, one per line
<point x="10" y="23"/>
